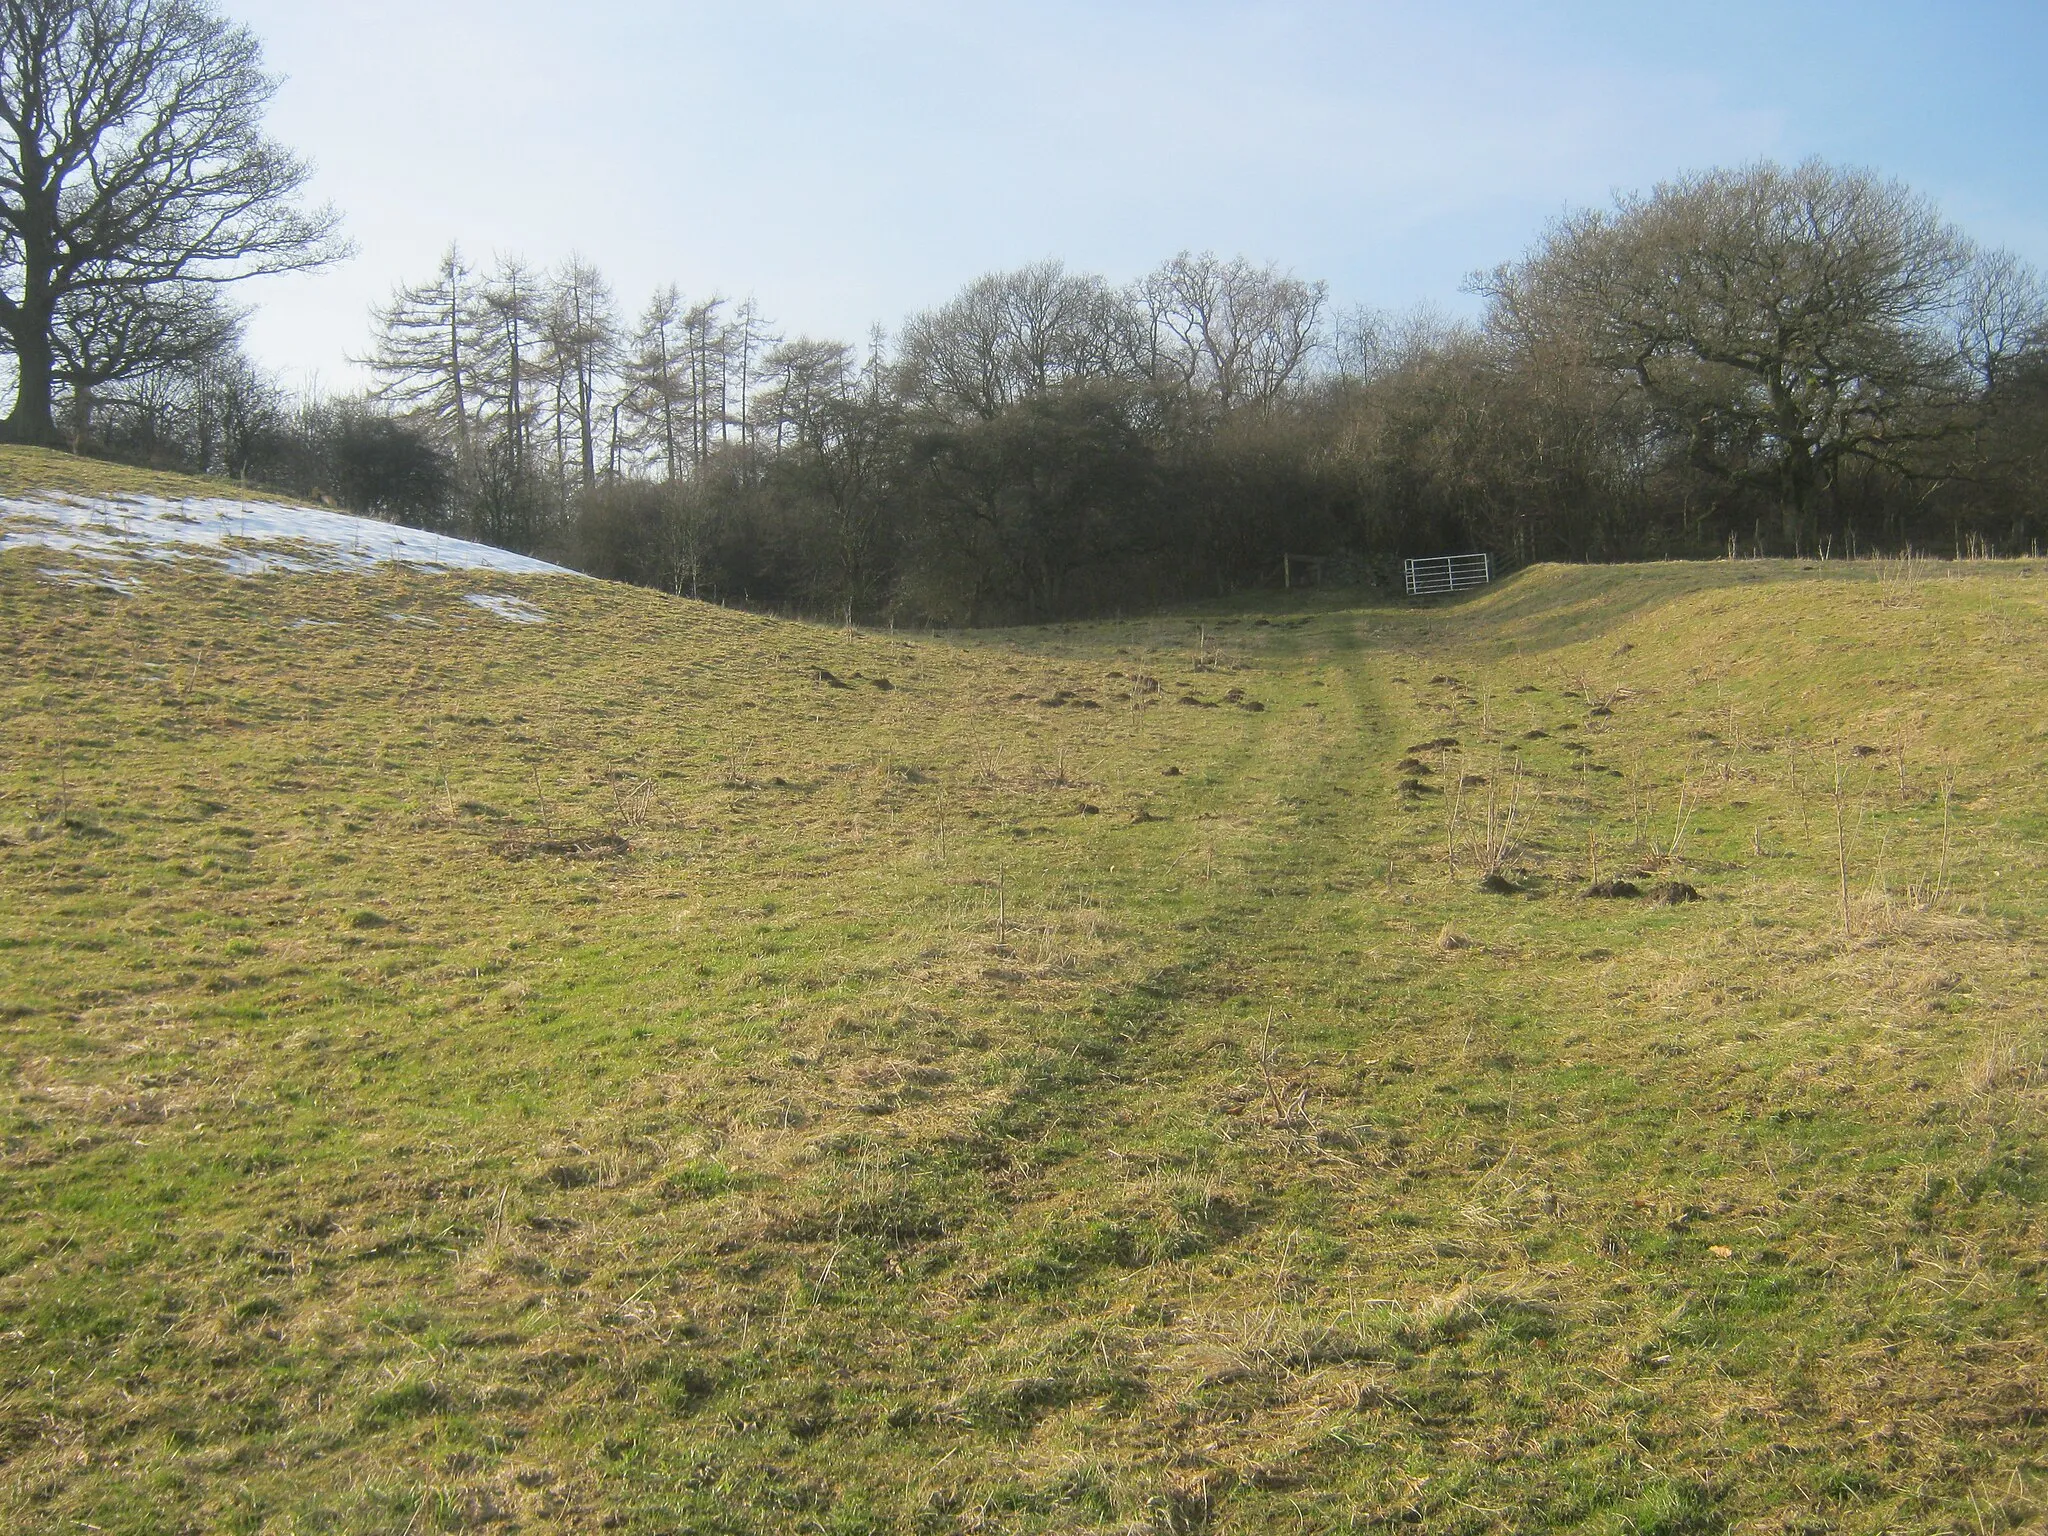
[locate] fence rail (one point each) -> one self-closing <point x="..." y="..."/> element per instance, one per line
<point x="1446" y="573"/>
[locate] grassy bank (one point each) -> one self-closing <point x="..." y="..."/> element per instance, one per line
<point x="664" y="1069"/>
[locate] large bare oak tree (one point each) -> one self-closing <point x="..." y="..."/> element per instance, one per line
<point x="134" y="177"/>
<point x="1784" y="324"/>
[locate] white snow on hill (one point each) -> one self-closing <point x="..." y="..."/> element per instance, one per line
<point x="242" y="537"/>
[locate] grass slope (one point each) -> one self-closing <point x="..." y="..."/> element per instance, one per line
<point x="667" y="1070"/>
<point x="28" y="471"/>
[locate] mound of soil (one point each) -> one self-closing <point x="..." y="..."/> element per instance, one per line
<point x="570" y="845"/>
<point x="1673" y="893"/>
<point x="1614" y="889"/>
<point x="1498" y="884"/>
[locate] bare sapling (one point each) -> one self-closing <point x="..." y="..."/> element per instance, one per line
<point x="1842" y="842"/>
<point x="1948" y="790"/>
<point x="1683" y="821"/>
<point x="1492" y="800"/>
<point x="1792" y="784"/>
<point x="1499" y="843"/>
<point x="1638" y="801"/>
<point x="634" y="808"/>
<point x="1451" y="835"/>
<point x="547" y="815"/>
<point x="1288" y="1111"/>
<point x="1880" y="884"/>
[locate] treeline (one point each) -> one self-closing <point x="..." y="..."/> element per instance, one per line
<point x="1767" y="360"/>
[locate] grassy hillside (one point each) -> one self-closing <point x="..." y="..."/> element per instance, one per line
<point x="665" y="1070"/>
<point x="24" y="471"/>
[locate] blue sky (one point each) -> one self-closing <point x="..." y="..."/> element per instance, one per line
<point x="849" y="162"/>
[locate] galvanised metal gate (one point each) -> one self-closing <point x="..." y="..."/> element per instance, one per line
<point x="1447" y="573"/>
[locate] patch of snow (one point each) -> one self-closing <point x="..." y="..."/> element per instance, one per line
<point x="242" y="537"/>
<point x="412" y="618"/>
<point x="98" y="579"/>
<point x="516" y="609"/>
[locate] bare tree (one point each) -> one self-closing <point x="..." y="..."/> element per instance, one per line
<point x="705" y="338"/>
<point x="425" y="351"/>
<point x="132" y="157"/>
<point x="1230" y="332"/>
<point x="2000" y="317"/>
<point x="838" y="426"/>
<point x="119" y="336"/>
<point x="581" y="333"/>
<point x="802" y="379"/>
<point x="236" y="407"/>
<point x="508" y="324"/>
<point x="749" y="341"/>
<point x="1010" y="336"/>
<point x="657" y="382"/>
<point x="1785" y="324"/>
<point x="1372" y="345"/>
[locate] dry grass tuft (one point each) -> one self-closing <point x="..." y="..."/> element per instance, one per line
<point x="2003" y="1064"/>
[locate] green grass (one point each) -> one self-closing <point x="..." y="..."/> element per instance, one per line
<point x="609" y="1075"/>
<point x="24" y="471"/>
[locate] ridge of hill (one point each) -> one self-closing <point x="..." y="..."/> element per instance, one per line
<point x="28" y="471"/>
<point x="666" y="1069"/>
<point x="111" y="517"/>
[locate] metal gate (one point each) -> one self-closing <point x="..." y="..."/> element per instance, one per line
<point x="1447" y="573"/>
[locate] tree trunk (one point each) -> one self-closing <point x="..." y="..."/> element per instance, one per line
<point x="31" y="420"/>
<point x="518" y="411"/>
<point x="81" y="415"/>
<point x="1797" y="476"/>
<point x="585" y="404"/>
<point x="463" y="457"/>
<point x="1798" y="495"/>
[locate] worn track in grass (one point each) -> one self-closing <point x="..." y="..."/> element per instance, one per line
<point x="639" y="1072"/>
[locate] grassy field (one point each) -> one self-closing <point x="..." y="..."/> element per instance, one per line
<point x="30" y="471"/>
<point x="668" y="1070"/>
